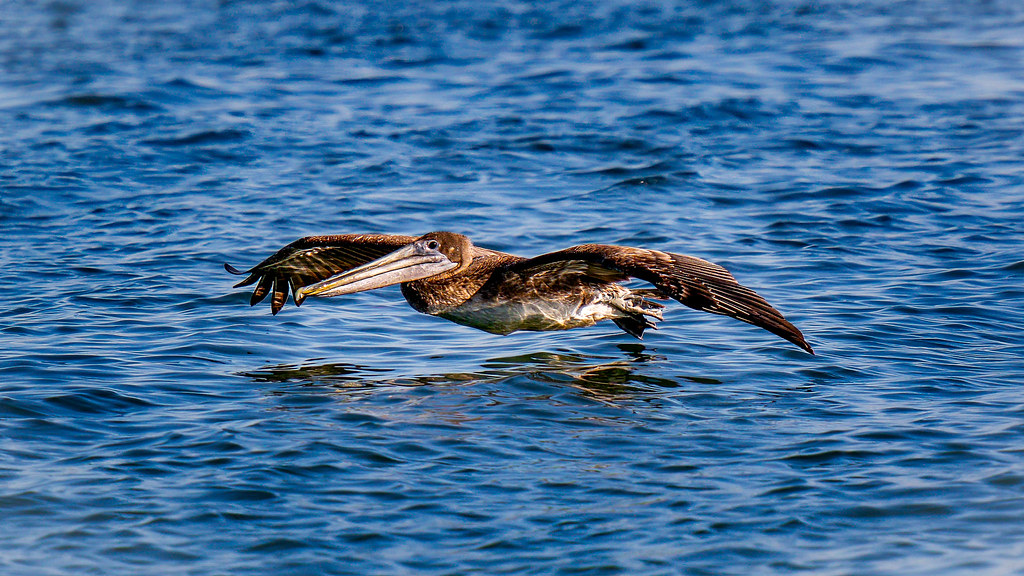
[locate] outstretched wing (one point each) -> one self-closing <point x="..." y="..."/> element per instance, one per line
<point x="312" y="259"/>
<point x="696" y="283"/>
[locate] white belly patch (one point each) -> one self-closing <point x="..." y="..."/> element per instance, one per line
<point x="507" y="317"/>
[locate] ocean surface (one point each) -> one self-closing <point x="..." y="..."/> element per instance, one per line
<point x="860" y="164"/>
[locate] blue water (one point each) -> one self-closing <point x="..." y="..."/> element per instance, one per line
<point x="860" y="164"/>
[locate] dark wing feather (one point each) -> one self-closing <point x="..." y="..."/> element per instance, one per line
<point x="312" y="259"/>
<point x="696" y="283"/>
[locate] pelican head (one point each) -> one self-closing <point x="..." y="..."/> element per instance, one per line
<point x="433" y="255"/>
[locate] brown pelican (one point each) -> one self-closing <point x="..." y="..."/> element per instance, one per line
<point x="444" y="274"/>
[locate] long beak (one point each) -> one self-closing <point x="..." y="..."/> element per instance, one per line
<point x="403" y="265"/>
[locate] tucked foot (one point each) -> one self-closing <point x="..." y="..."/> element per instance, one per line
<point x="640" y="313"/>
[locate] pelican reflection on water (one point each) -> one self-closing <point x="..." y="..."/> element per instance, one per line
<point x="603" y="378"/>
<point x="444" y="274"/>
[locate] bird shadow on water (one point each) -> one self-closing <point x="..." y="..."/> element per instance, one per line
<point x="603" y="378"/>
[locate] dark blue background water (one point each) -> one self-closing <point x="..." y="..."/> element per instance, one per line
<point x="860" y="164"/>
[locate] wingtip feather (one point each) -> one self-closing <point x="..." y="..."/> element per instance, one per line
<point x="786" y="330"/>
<point x="803" y="344"/>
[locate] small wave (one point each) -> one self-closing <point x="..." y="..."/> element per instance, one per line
<point x="202" y="138"/>
<point x="107" y="102"/>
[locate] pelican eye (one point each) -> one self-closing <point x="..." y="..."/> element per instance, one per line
<point x="433" y="244"/>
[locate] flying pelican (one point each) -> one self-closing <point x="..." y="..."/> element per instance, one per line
<point x="444" y="274"/>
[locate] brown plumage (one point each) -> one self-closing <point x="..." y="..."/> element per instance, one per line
<point x="444" y="274"/>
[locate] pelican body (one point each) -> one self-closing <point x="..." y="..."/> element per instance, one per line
<point x="444" y="274"/>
